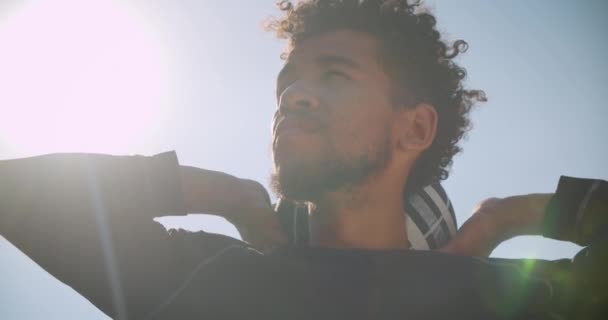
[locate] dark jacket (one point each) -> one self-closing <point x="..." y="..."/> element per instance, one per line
<point x="88" y="221"/>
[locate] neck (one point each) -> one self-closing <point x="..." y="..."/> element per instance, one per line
<point x="369" y="216"/>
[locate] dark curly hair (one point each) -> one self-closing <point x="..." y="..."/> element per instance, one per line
<point x="413" y="55"/>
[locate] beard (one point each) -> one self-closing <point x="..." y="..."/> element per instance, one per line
<point x="304" y="179"/>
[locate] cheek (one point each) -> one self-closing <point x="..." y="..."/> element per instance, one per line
<point x="358" y="121"/>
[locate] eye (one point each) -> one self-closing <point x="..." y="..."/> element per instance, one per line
<point x="335" y="74"/>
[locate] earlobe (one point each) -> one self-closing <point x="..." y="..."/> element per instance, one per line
<point x="419" y="127"/>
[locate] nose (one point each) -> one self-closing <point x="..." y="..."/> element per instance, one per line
<point x="298" y="97"/>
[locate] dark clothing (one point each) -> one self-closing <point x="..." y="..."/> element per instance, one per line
<point x="87" y="220"/>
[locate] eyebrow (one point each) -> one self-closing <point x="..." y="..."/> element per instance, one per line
<point x="337" y="60"/>
<point x="323" y="61"/>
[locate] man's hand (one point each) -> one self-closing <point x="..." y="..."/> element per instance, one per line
<point x="242" y="202"/>
<point x="257" y="222"/>
<point x="496" y="220"/>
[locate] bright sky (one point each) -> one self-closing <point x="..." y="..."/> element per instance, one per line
<point x="143" y="77"/>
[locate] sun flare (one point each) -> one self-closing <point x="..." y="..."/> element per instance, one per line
<point x="79" y="76"/>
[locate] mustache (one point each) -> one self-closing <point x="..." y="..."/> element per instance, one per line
<point x="297" y="116"/>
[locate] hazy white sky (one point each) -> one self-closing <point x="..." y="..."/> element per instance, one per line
<point x="143" y="77"/>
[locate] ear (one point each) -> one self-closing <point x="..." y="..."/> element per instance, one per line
<point x="418" y="126"/>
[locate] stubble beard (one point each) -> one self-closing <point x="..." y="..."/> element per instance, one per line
<point x="309" y="181"/>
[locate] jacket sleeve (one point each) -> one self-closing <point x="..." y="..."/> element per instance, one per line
<point x="87" y="219"/>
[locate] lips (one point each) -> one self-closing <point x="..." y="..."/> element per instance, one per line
<point x="289" y="126"/>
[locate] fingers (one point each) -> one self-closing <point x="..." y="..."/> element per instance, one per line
<point x="261" y="229"/>
<point x="496" y="220"/>
<point x="478" y="236"/>
<point x="517" y="215"/>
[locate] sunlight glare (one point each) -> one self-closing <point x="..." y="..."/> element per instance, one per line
<point x="87" y="76"/>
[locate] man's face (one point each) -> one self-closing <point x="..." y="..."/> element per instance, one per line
<point x="333" y="125"/>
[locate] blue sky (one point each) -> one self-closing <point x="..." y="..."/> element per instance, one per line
<point x="200" y="78"/>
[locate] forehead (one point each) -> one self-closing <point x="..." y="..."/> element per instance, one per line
<point x="359" y="47"/>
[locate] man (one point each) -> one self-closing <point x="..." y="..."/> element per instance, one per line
<point x="370" y="108"/>
<point x="370" y="105"/>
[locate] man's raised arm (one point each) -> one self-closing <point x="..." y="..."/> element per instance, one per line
<point x="88" y="220"/>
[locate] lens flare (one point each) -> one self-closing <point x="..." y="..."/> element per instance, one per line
<point x="79" y="76"/>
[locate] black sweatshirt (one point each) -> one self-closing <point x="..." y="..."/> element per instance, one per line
<point x="88" y="220"/>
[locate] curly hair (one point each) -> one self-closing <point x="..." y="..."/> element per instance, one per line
<point x="412" y="53"/>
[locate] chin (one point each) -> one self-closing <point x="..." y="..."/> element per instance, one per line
<point x="297" y="157"/>
<point x="297" y="181"/>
